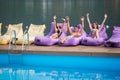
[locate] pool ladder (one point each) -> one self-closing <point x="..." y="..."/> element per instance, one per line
<point x="13" y="58"/>
<point x="14" y="55"/>
<point x="12" y="41"/>
<point x="24" y="45"/>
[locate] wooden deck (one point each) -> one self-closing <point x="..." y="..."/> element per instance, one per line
<point x="58" y="50"/>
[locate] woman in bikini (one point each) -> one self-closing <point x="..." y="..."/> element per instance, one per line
<point x="94" y="27"/>
<point x="58" y="29"/>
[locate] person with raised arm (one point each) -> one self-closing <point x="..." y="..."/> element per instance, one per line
<point x="58" y="29"/>
<point x="76" y="33"/>
<point x="94" y="27"/>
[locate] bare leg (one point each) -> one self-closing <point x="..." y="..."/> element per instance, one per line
<point x="64" y="39"/>
<point x="55" y="35"/>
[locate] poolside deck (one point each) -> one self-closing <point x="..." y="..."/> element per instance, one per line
<point x="58" y="50"/>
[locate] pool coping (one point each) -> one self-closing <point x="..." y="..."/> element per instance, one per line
<point x="65" y="50"/>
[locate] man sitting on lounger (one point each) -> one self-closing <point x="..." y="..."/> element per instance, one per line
<point x="76" y="32"/>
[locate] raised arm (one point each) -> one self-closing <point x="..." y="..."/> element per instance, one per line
<point x="68" y="23"/>
<point x="82" y="29"/>
<point x="90" y="26"/>
<point x="54" y="18"/>
<point x="101" y="26"/>
<point x="63" y="23"/>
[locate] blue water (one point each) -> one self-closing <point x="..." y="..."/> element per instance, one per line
<point x="40" y="73"/>
<point x="58" y="67"/>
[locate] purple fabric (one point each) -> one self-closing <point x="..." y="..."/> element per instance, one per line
<point x="116" y="28"/>
<point x="52" y="31"/>
<point x="114" y="41"/>
<point x="102" y="33"/>
<point x="89" y="41"/>
<point x="46" y="41"/>
<point x="74" y="41"/>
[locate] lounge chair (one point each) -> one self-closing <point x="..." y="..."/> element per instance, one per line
<point x="34" y="30"/>
<point x="4" y="39"/>
<point x="114" y="40"/>
<point x="89" y="41"/>
<point x="46" y="40"/>
<point x="74" y="41"/>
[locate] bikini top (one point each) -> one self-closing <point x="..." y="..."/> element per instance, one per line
<point x="94" y="31"/>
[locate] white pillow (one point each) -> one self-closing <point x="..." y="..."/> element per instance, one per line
<point x="36" y="30"/>
<point x="16" y="27"/>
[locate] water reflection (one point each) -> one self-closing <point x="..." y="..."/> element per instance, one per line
<point x="29" y="6"/>
<point x="41" y="11"/>
<point x="44" y="9"/>
<point x="55" y="74"/>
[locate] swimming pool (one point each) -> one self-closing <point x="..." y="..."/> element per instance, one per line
<point x="58" y="67"/>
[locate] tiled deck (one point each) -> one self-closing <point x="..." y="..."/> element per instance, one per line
<point x="58" y="50"/>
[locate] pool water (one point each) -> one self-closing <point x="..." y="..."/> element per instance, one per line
<point x="58" y="67"/>
<point x="40" y="73"/>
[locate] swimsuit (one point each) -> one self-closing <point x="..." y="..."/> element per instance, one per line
<point x="94" y="32"/>
<point x="59" y="33"/>
<point x="70" y="36"/>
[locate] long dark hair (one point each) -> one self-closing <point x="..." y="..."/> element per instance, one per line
<point x="96" y="24"/>
<point x="75" y="26"/>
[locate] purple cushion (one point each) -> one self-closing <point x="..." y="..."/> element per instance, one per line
<point x="102" y="33"/>
<point x="114" y="40"/>
<point x="47" y="41"/>
<point x="74" y="41"/>
<point x="89" y="41"/>
<point x="116" y="28"/>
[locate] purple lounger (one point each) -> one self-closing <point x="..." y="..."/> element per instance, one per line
<point x="46" y="40"/>
<point x="89" y="41"/>
<point x="114" y="41"/>
<point x="74" y="41"/>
